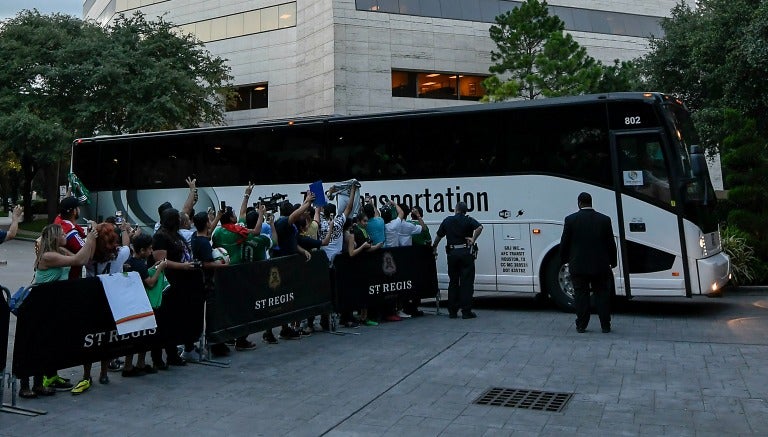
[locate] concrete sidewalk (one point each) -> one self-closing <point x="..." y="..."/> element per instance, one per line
<point x="671" y="367"/>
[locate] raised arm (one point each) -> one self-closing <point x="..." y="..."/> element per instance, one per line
<point x="296" y="215"/>
<point x="56" y="259"/>
<point x="351" y="203"/>
<point x="191" y="197"/>
<point x="246" y="197"/>
<point x="257" y="227"/>
<point x="15" y="219"/>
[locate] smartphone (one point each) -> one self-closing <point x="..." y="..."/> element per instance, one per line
<point x="118" y="217"/>
<point x="223" y="205"/>
<point x="90" y="226"/>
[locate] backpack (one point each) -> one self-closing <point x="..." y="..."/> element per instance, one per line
<point x="18" y="298"/>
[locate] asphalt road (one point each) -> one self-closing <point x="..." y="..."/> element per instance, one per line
<point x="671" y="366"/>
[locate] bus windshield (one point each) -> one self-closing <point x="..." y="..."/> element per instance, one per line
<point x="698" y="193"/>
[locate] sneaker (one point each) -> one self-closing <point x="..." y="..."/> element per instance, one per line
<point x="56" y="382"/>
<point x="269" y="338"/>
<point x="468" y="315"/>
<point x="27" y="393"/>
<point x="82" y="386"/>
<point x="220" y="350"/>
<point x="176" y="361"/>
<point x="289" y="334"/>
<point x="393" y="318"/>
<point x="115" y="365"/>
<point x="403" y="315"/>
<point x="369" y="322"/>
<point x="192" y="356"/>
<point x="230" y="342"/>
<point x="148" y="370"/>
<point x="244" y="345"/>
<point x="43" y="391"/>
<point x="134" y="371"/>
<point x="305" y="331"/>
<point x="104" y="379"/>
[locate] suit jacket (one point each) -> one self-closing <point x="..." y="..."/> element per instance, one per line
<point x="587" y="244"/>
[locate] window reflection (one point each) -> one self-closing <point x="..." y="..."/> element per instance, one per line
<point x="575" y="19"/>
<point x="435" y="85"/>
<point x="245" y="23"/>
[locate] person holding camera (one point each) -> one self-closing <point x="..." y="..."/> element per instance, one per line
<point x="460" y="232"/>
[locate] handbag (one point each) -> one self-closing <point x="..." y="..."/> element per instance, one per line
<point x="155" y="294"/>
<point x="18" y="298"/>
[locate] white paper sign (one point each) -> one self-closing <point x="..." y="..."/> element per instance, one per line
<point x="128" y="302"/>
<point x="633" y="178"/>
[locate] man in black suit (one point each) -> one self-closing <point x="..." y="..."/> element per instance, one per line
<point x="587" y="245"/>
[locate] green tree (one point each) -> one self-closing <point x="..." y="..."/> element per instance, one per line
<point x="746" y="157"/>
<point x="621" y="76"/>
<point x="62" y="78"/>
<point x="151" y="78"/>
<point x="536" y="58"/>
<point x="715" y="57"/>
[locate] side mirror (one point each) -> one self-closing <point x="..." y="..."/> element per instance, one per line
<point x="698" y="162"/>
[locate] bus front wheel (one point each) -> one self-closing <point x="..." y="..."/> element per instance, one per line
<point x="557" y="283"/>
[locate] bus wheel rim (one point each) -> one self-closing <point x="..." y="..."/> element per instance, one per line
<point x="564" y="280"/>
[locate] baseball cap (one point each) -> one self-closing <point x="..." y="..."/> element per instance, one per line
<point x="68" y="204"/>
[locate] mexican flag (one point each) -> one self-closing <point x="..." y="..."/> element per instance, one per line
<point x="78" y="189"/>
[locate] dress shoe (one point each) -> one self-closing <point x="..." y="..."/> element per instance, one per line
<point x="606" y="330"/>
<point x="468" y="315"/>
<point x="581" y="330"/>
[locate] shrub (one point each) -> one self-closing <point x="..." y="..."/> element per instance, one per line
<point x="746" y="267"/>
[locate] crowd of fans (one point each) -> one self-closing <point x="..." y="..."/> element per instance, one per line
<point x="187" y="240"/>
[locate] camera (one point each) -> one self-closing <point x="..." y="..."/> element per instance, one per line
<point x="272" y="203"/>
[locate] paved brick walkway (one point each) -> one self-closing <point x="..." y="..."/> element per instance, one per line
<point x="671" y="367"/>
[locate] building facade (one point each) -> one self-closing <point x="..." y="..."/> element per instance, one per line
<point x="320" y="57"/>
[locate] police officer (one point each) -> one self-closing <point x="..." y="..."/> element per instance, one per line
<point x="461" y="232"/>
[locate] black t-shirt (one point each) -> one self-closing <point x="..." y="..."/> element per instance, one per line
<point x="173" y="245"/>
<point x="138" y="265"/>
<point x="286" y="237"/>
<point x="457" y="228"/>
<point x="201" y="249"/>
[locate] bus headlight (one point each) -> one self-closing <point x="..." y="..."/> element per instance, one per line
<point x="703" y="245"/>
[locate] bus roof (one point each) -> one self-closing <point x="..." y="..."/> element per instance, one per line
<point x="553" y="101"/>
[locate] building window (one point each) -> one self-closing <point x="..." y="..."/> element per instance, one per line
<point x="576" y="19"/>
<point x="245" y="23"/>
<point x="250" y="97"/>
<point x="437" y="85"/>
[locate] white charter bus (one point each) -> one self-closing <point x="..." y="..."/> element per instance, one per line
<point x="519" y="166"/>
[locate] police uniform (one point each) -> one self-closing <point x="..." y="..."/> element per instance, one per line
<point x="461" y="263"/>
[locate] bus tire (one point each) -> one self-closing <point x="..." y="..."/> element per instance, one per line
<point x="557" y="282"/>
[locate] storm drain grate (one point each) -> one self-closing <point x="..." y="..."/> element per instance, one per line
<point x="527" y="399"/>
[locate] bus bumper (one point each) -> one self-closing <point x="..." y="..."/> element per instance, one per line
<point x="714" y="273"/>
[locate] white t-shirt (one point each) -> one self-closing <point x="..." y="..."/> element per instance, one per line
<point x="406" y="232"/>
<point x="337" y="236"/>
<point x="114" y="266"/>
<point x="392" y="232"/>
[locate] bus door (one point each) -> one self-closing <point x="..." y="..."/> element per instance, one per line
<point x="513" y="257"/>
<point x="650" y="249"/>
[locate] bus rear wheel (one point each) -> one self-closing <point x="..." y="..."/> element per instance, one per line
<point x="557" y="283"/>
